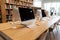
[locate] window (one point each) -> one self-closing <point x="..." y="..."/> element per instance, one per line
<point x="55" y="5"/>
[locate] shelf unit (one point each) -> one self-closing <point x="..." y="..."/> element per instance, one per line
<point x="9" y="12"/>
<point x="7" y="7"/>
<point x="0" y="15"/>
<point x="25" y="3"/>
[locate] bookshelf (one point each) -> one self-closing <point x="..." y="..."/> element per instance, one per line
<point x="25" y="3"/>
<point x="7" y="7"/>
<point x="0" y="15"/>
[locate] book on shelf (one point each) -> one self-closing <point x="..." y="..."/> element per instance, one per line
<point x="20" y="3"/>
<point x="0" y="21"/>
<point x="26" y="0"/>
<point x="7" y="1"/>
<point x="0" y="7"/>
<point x="31" y="1"/>
<point x="24" y="4"/>
<point x="7" y="6"/>
<point x="7" y="12"/>
<point x="11" y="6"/>
<point x="22" y="0"/>
<point x="8" y="17"/>
<point x="11" y="1"/>
<point x="0" y="15"/>
<point x="11" y="12"/>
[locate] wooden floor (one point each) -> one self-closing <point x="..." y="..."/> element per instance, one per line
<point x="57" y="34"/>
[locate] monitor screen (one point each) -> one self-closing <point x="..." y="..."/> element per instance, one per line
<point x="43" y="13"/>
<point x="26" y="14"/>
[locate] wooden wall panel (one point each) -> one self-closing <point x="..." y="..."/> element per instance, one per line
<point x="3" y="10"/>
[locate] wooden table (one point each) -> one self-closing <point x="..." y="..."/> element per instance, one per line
<point x="4" y="26"/>
<point x="29" y="33"/>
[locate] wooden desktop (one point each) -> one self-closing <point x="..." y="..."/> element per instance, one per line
<point x="27" y="33"/>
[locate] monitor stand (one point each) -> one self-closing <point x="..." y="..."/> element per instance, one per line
<point x="29" y="23"/>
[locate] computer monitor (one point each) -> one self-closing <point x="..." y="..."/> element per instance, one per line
<point x="43" y="13"/>
<point x="26" y="14"/>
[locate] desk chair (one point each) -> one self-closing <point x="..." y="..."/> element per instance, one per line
<point x="51" y="30"/>
<point x="1" y="38"/>
<point x="43" y="36"/>
<point x="56" y="25"/>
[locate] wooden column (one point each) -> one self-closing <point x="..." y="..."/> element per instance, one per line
<point x="3" y="10"/>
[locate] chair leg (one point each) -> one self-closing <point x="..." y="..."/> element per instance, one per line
<point x="50" y="35"/>
<point x="47" y="36"/>
<point x="53" y="35"/>
<point x="57" y="29"/>
<point x="42" y="37"/>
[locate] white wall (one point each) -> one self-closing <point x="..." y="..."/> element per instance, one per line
<point x="47" y="1"/>
<point x="40" y="3"/>
<point x="37" y="3"/>
<point x="54" y="1"/>
<point x="51" y="1"/>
